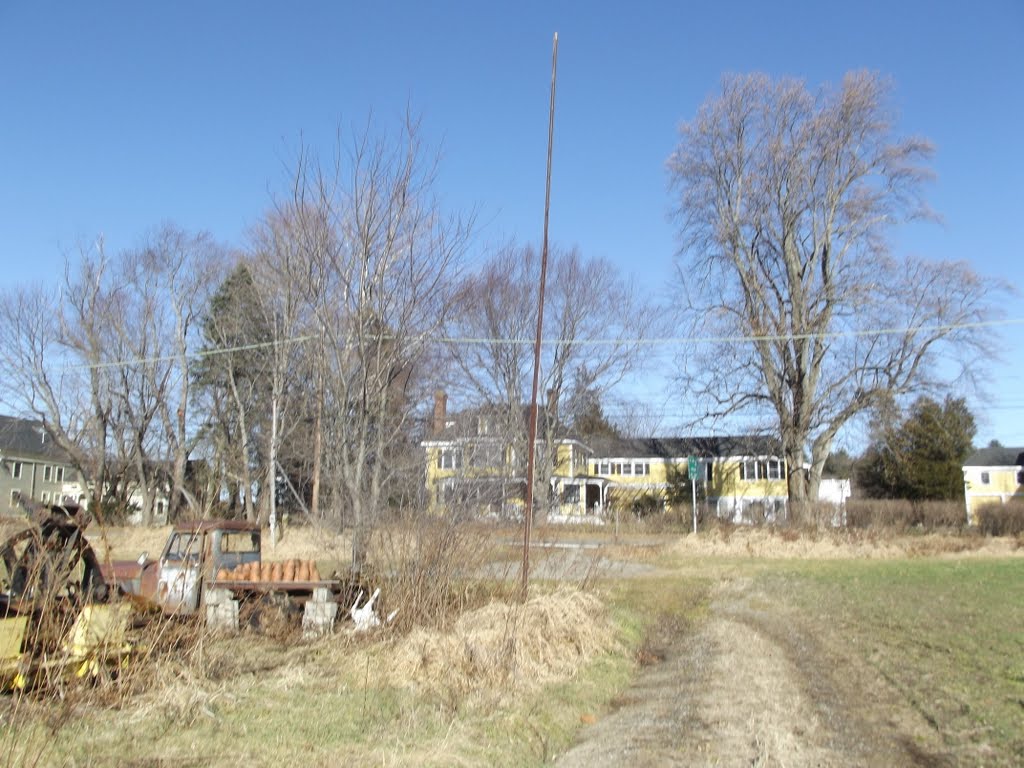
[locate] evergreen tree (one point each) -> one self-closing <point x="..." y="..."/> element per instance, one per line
<point x="921" y="457"/>
<point x="232" y="380"/>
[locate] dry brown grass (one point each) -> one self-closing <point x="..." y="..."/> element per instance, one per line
<point x="431" y="570"/>
<point x="505" y="648"/>
<point x="846" y="544"/>
<point x="1002" y="519"/>
<point x="903" y="515"/>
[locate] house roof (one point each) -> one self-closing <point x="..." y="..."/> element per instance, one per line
<point x="679" y="447"/>
<point x="28" y="438"/>
<point x="1000" y="456"/>
<point x="495" y="421"/>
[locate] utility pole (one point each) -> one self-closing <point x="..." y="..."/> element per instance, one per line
<point x="532" y="438"/>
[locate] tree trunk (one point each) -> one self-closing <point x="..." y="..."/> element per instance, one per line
<point x="318" y="437"/>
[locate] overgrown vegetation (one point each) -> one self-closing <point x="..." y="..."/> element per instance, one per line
<point x="903" y="515"/>
<point x="466" y="675"/>
<point x="1001" y="519"/>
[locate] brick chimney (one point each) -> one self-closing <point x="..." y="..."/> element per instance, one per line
<point x="440" y="411"/>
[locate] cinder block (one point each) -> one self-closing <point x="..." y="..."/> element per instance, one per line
<point x="222" y="617"/>
<point x="318" y="618"/>
<point x="217" y="596"/>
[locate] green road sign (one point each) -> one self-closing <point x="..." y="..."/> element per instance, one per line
<point x="694" y="469"/>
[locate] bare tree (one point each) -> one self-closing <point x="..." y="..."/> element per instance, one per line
<point x="167" y="284"/>
<point x="285" y="285"/>
<point x="106" y="368"/>
<point x="593" y="339"/>
<point x="785" y="198"/>
<point x="56" y="356"/>
<point x="376" y="258"/>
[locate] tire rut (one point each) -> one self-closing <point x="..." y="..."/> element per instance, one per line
<point x="750" y="686"/>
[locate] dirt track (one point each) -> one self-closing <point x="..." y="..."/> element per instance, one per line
<point x="750" y="686"/>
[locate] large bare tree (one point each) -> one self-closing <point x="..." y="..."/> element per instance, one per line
<point x="106" y="368"/>
<point x="594" y="327"/>
<point x="166" y="283"/>
<point x="375" y="260"/>
<point x="785" y="198"/>
<point x="56" y="356"/>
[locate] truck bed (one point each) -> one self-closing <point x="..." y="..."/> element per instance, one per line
<point x="290" y="587"/>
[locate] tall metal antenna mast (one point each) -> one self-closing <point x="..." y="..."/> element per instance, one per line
<point x="532" y="449"/>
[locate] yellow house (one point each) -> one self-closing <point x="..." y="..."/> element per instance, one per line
<point x="741" y="478"/>
<point x="992" y="475"/>
<point x="474" y="467"/>
<point x="476" y="464"/>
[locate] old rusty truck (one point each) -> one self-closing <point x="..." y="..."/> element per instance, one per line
<point x="217" y="566"/>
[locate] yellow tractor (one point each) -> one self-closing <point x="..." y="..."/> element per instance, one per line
<point x="57" y="614"/>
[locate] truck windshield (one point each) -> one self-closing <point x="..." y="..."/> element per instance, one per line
<point x="183" y="545"/>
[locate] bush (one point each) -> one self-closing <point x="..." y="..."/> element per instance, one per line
<point x="901" y="514"/>
<point x="812" y="516"/>
<point x="646" y="506"/>
<point x="1001" y="519"/>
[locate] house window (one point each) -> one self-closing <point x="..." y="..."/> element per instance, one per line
<point x="748" y="470"/>
<point x="606" y="468"/>
<point x="47" y="473"/>
<point x="774" y="469"/>
<point x="627" y="468"/>
<point x="15" y="498"/>
<point x="571" y="494"/>
<point x="16" y="470"/>
<point x="59" y="474"/>
<point x="985" y="478"/>
<point x="449" y="458"/>
<point x="616" y="469"/>
<point x="707" y="475"/>
<point x="46" y="497"/>
<point x="446" y="493"/>
<point x="486" y="455"/>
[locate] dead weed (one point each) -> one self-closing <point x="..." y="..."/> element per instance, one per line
<point x="505" y="647"/>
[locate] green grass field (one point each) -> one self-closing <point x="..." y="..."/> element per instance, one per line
<point x="947" y="633"/>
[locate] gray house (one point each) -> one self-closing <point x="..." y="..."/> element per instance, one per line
<point x="33" y="468"/>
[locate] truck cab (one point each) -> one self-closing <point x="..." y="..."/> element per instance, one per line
<point x="192" y="556"/>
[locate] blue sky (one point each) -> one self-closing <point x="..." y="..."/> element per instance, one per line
<point x="115" y="117"/>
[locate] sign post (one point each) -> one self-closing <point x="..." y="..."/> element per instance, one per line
<point x="693" y="468"/>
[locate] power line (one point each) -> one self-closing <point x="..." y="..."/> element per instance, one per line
<point x="481" y="340"/>
<point x="739" y="339"/>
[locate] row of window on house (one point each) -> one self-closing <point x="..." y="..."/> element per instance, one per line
<point x="45" y="497"/>
<point x="637" y="468"/>
<point x="750" y="469"/>
<point x="761" y="469"/>
<point x="986" y="478"/>
<point x="51" y="473"/>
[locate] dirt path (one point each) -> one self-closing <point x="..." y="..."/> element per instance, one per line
<point x="752" y="687"/>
